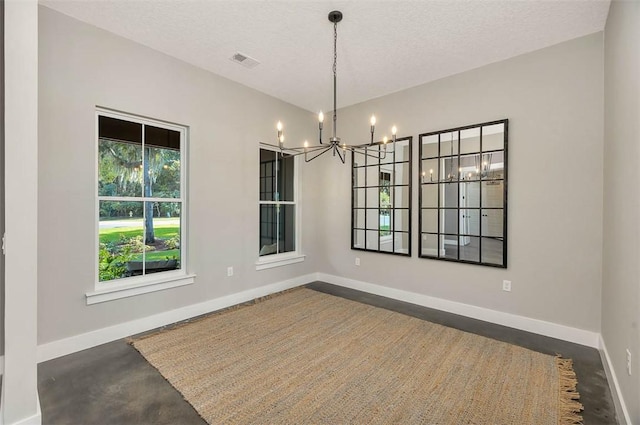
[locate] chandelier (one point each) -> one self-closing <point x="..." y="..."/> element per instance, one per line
<point x="334" y="144"/>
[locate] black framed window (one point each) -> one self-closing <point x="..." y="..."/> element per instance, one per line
<point x="278" y="204"/>
<point x="381" y="198"/>
<point x="463" y="194"/>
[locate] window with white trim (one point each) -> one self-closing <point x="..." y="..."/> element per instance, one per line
<point x="140" y="201"/>
<point x="279" y="224"/>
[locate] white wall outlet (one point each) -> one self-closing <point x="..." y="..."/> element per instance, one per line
<point x="229" y="271"/>
<point x="357" y="261"/>
<point x="506" y="285"/>
<point x="629" y="362"/>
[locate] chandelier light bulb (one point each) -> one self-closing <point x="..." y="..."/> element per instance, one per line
<point x="384" y="140"/>
<point x="373" y="120"/>
<point x="321" y="117"/>
<point x="279" y="126"/>
<point x="394" y="130"/>
<point x="306" y="144"/>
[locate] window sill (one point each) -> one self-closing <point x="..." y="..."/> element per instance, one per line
<point x="269" y="263"/>
<point x="130" y="290"/>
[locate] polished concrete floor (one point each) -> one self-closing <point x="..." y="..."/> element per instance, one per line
<point x="113" y="384"/>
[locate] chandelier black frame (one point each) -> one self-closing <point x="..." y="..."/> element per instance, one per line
<point x="335" y="145"/>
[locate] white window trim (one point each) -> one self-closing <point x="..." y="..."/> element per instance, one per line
<point x="136" y="285"/>
<point x="141" y="285"/>
<point x="286" y="258"/>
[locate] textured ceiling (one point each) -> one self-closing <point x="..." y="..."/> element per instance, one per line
<point x="383" y="46"/>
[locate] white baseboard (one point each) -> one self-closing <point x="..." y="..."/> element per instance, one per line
<point x="614" y="386"/>
<point x="541" y="327"/>
<point x="35" y="419"/>
<point x="80" y="342"/>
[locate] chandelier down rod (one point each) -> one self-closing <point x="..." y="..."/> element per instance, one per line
<point x="376" y="150"/>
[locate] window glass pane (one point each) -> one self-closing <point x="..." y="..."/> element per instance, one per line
<point x="430" y="195"/>
<point x="492" y="223"/>
<point x="359" y="177"/>
<point x="286" y="178"/>
<point x="430" y="220"/>
<point x="429" y="146"/>
<point x="401" y="241"/>
<point x="119" y="168"/>
<point x="429" y="171"/>
<point x="268" y="230"/>
<point x="373" y="178"/>
<point x="121" y="239"/>
<point x="358" y="239"/>
<point x="470" y="140"/>
<point x="470" y="194"/>
<point x="469" y="248"/>
<point x="492" y="137"/>
<point x="386" y="242"/>
<point x="469" y="167"/>
<point x="401" y="196"/>
<point x="493" y="165"/>
<point x="162" y="177"/>
<point x="162" y="236"/>
<point x="385" y="222"/>
<point x="373" y="197"/>
<point x="449" y="221"/>
<point x="449" y="143"/>
<point x="372" y="156"/>
<point x="470" y="222"/>
<point x="401" y="175"/>
<point x="373" y="218"/>
<point x="358" y="198"/>
<point x="401" y="220"/>
<point x="267" y="175"/>
<point x="387" y="158"/>
<point x="119" y="130"/>
<point x="492" y="251"/>
<point x="492" y="194"/>
<point x="448" y="169"/>
<point x="449" y="243"/>
<point x="402" y="150"/>
<point x="449" y="195"/>
<point x="372" y="239"/>
<point x="287" y="231"/>
<point x="429" y="245"/>
<point x="358" y="218"/>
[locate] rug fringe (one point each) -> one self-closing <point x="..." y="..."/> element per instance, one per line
<point x="568" y="396"/>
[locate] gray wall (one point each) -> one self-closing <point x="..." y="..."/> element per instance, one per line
<point x="554" y="101"/>
<point x="81" y="67"/>
<point x="620" y="286"/>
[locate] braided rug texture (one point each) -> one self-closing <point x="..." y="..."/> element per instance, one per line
<point x="305" y="357"/>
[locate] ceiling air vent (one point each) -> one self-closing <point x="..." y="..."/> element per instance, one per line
<point x="244" y="60"/>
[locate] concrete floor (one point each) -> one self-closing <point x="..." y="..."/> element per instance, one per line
<point x="113" y="384"/>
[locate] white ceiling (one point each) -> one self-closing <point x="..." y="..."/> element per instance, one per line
<point x="383" y="46"/>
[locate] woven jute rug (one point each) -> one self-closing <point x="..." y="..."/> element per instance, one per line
<point x="304" y="357"/>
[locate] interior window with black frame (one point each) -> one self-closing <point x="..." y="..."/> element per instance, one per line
<point x="463" y="194"/>
<point x="381" y="198"/>
<point x="278" y="207"/>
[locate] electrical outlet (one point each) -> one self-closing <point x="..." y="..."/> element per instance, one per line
<point x="357" y="261"/>
<point x="506" y="285"/>
<point x="629" y="362"/>
<point x="229" y="271"/>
